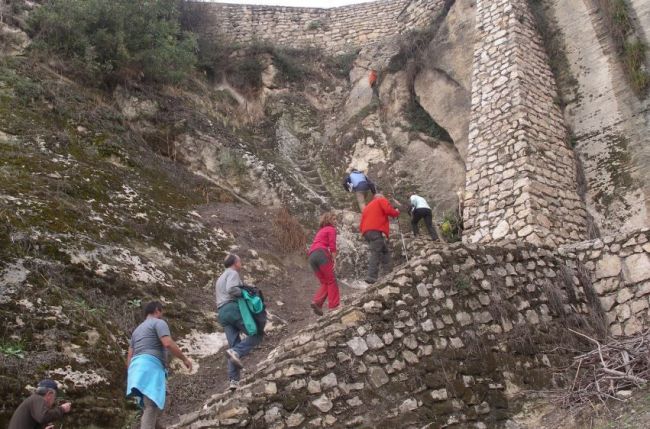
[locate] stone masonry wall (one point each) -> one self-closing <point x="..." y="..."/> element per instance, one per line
<point x="521" y="176"/>
<point x="447" y="339"/>
<point x="336" y="29"/>
<point x="620" y="271"/>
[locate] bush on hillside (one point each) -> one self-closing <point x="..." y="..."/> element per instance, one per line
<point x="116" y="40"/>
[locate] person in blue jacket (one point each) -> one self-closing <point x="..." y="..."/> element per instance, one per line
<point x="360" y="184"/>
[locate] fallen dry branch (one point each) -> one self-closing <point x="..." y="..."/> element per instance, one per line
<point x="609" y="371"/>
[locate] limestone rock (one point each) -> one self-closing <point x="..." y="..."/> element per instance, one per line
<point x="324" y="404"/>
<point x="358" y="346"/>
<point x="295" y="420"/>
<point x="501" y="230"/>
<point x="608" y="266"/>
<point x="377" y="376"/>
<point x="636" y="268"/>
<point x="439" y="395"/>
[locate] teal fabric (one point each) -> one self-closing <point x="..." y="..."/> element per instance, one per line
<point x="146" y="376"/>
<point x="247" y="317"/>
<point x="255" y="303"/>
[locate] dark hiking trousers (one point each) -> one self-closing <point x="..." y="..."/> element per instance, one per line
<point x="379" y="254"/>
<point x="425" y="214"/>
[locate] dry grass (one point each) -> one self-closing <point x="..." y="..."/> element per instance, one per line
<point x="288" y="231"/>
<point x="630" y="49"/>
<point x="597" y="315"/>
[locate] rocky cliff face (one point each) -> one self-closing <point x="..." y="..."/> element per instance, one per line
<point x="609" y="121"/>
<point x="112" y="199"/>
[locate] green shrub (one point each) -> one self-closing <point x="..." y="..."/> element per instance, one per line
<point x="116" y="40"/>
<point x="12" y="349"/>
<point x="451" y="227"/>
<point x="294" y="65"/>
<point x="341" y="65"/>
<point x="632" y="52"/>
<point x="245" y="73"/>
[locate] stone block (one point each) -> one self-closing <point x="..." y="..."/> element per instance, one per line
<point x="608" y="266"/>
<point x="374" y="342"/>
<point x="377" y="377"/>
<point x="324" y="404"/>
<point x="624" y="295"/>
<point x="358" y="346"/>
<point x="409" y="404"/>
<point x="636" y="268"/>
<point x="632" y="326"/>
<point x="439" y="395"/>
<point x="313" y="386"/>
<point x="353" y="318"/>
<point x="295" y="420"/>
<point x="328" y="381"/>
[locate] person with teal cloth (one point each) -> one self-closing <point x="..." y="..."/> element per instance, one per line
<point x="146" y="377"/>
<point x="229" y="295"/>
<point x="146" y="361"/>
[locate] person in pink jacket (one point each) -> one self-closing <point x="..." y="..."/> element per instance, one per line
<point x="322" y="254"/>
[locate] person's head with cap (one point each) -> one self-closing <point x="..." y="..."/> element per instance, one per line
<point x="47" y="389"/>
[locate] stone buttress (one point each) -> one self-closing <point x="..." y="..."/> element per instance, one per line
<point x="521" y="174"/>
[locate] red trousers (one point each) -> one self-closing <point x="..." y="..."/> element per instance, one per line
<point x="328" y="289"/>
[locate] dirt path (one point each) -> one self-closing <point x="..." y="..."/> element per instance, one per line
<point x="287" y="296"/>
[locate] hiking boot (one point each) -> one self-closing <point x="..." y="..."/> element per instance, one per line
<point x="234" y="385"/>
<point x="317" y="309"/>
<point x="234" y="358"/>
<point x="368" y="281"/>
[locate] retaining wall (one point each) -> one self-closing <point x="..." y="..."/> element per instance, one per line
<point x="335" y="29"/>
<point x="449" y="338"/>
<point x="619" y="268"/>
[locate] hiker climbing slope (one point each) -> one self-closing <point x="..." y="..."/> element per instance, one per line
<point x="322" y="260"/>
<point x="420" y="210"/>
<point x="375" y="229"/>
<point x="147" y="361"/>
<point x="228" y="290"/>
<point x="357" y="182"/>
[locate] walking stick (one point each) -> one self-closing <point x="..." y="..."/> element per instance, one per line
<point x="399" y="230"/>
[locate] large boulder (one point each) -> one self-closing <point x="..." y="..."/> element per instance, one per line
<point x="443" y="87"/>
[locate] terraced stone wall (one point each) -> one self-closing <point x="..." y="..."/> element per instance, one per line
<point x="335" y="29"/>
<point x="448" y="339"/>
<point x="521" y="173"/>
<point x="619" y="268"/>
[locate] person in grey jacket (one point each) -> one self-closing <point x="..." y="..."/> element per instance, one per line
<point x="227" y="291"/>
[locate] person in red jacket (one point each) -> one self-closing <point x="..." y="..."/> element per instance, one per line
<point x="322" y="260"/>
<point x="375" y="229"/>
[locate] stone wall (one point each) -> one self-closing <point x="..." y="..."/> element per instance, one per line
<point x="336" y="29"/>
<point x="521" y="174"/>
<point x="448" y="338"/>
<point x="620" y="271"/>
